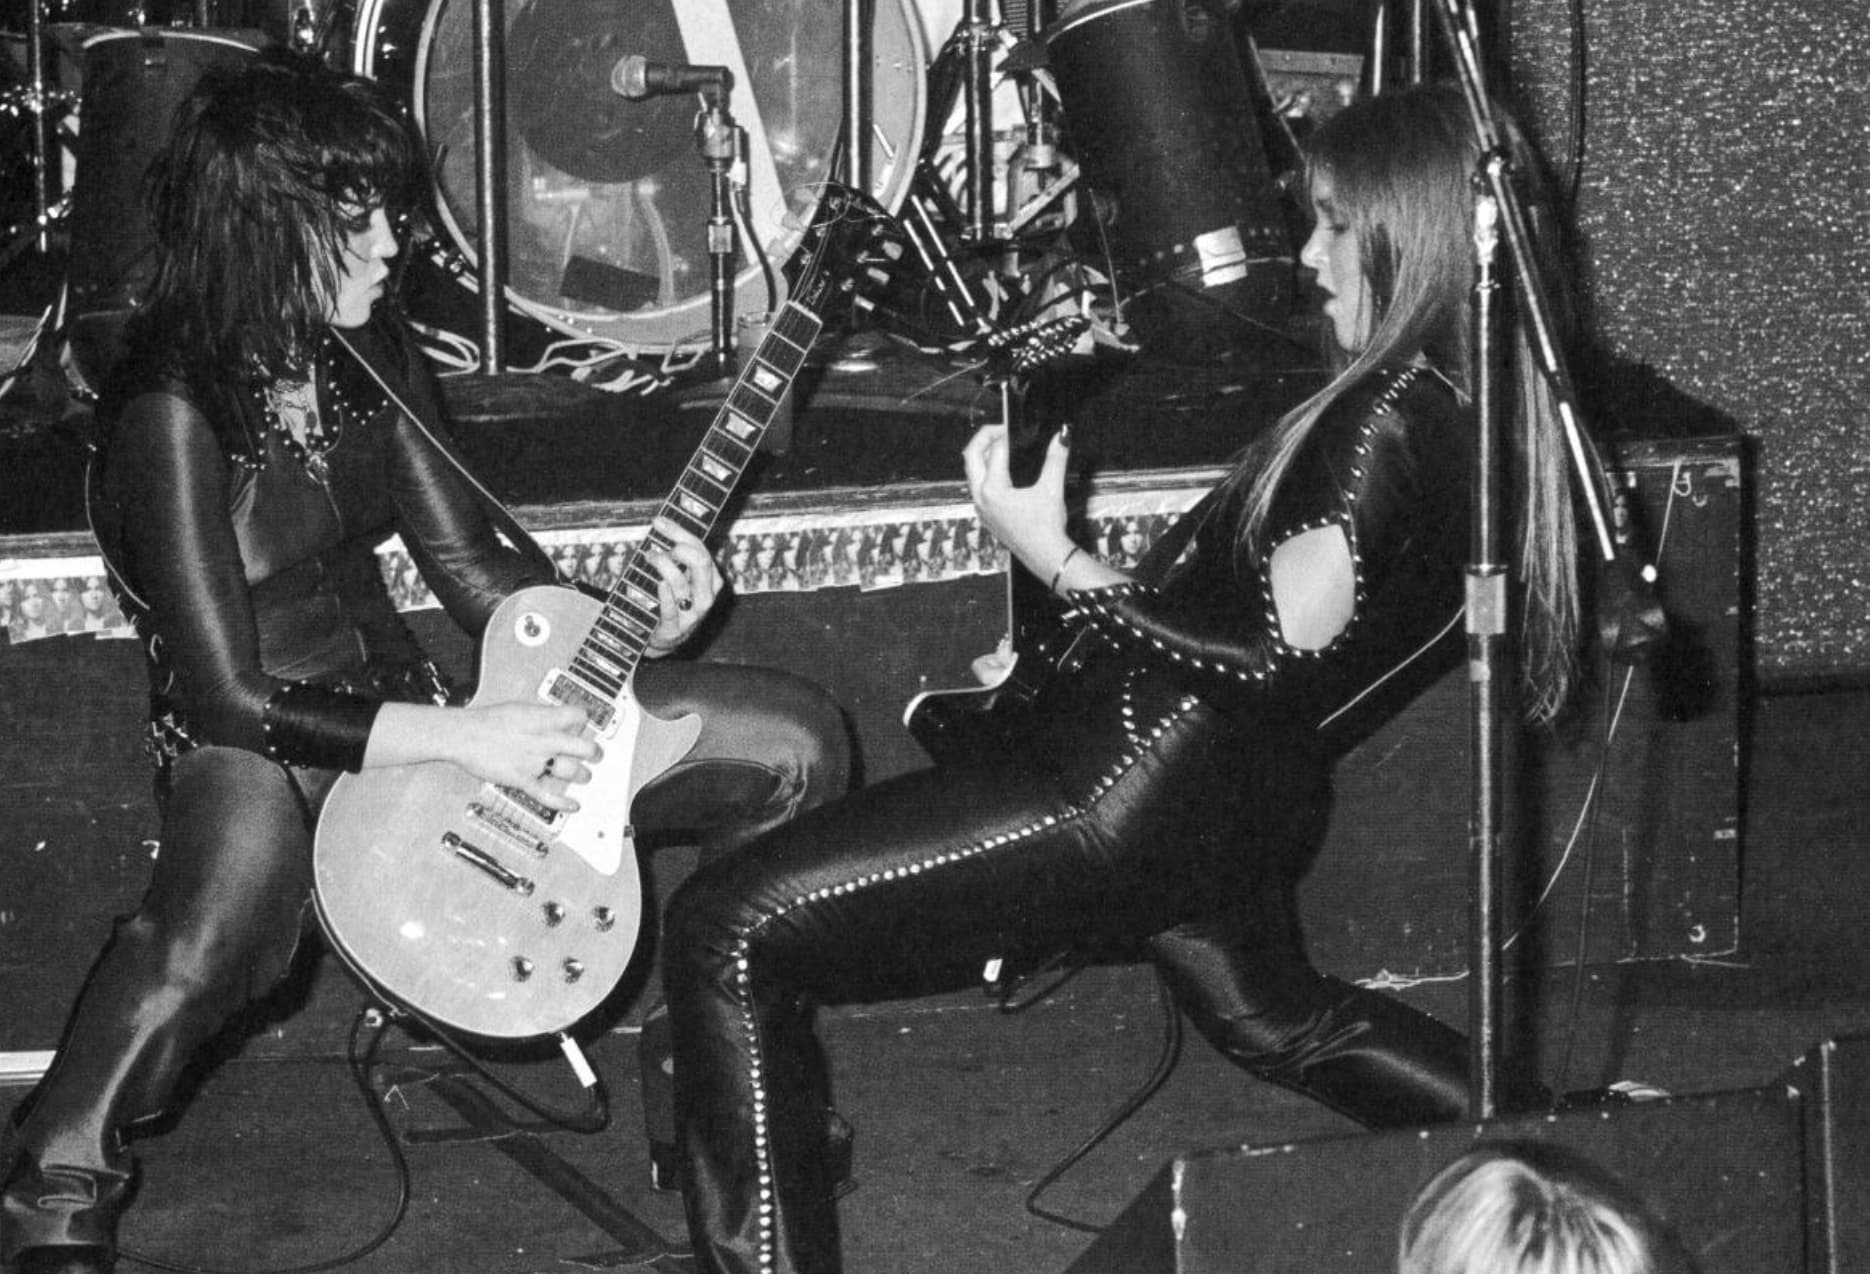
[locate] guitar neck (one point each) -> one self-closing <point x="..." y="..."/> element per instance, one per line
<point x="616" y="643"/>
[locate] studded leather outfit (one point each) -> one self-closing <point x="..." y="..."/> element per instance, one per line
<point x="272" y="642"/>
<point x="1163" y="799"/>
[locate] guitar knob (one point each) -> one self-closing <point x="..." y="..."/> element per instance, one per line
<point x="606" y="918"/>
<point x="574" y="969"/>
<point x="522" y="968"/>
<point x="554" y="914"/>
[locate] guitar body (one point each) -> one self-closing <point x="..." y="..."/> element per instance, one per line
<point x="969" y="721"/>
<point x="451" y="899"/>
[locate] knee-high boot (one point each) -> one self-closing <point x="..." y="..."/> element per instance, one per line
<point x="217" y="927"/>
<point x="138" y="1020"/>
<point x="751" y="1115"/>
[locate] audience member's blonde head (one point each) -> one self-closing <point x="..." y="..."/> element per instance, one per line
<point x="1526" y="1208"/>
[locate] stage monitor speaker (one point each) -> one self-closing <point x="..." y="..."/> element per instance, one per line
<point x="1834" y="1080"/>
<point x="1724" y="1173"/>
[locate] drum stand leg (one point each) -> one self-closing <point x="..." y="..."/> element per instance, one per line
<point x="40" y="105"/>
<point x="490" y="179"/>
<point x="858" y="15"/>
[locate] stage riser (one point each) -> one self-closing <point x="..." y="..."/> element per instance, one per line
<point x="1387" y="895"/>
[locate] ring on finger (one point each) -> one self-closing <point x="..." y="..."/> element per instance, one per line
<point x="548" y="771"/>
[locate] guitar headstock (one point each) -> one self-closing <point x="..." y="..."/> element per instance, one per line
<point x="849" y="251"/>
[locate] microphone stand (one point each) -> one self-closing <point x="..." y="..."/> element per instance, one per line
<point x="1499" y="214"/>
<point x="717" y="139"/>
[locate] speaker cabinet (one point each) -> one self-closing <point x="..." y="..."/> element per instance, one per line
<point x="1834" y="1080"/>
<point x="1724" y="1173"/>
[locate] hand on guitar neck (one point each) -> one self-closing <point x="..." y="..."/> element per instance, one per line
<point x="1017" y="479"/>
<point x="1031" y="519"/>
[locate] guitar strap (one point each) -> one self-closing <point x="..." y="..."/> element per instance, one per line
<point x="1168" y="548"/>
<point x="508" y="525"/>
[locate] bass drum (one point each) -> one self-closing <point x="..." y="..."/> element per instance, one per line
<point x="607" y="198"/>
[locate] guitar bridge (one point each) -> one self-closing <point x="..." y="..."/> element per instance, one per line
<point x="475" y="856"/>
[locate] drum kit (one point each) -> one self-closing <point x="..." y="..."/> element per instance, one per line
<point x="606" y="216"/>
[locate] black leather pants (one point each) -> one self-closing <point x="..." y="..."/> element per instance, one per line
<point x="230" y="895"/>
<point x="1143" y="827"/>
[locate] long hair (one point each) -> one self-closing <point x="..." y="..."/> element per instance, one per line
<point x="1528" y="1208"/>
<point x="1401" y="167"/>
<point x="270" y="165"/>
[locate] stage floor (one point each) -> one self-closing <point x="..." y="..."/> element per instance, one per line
<point x="959" y="1109"/>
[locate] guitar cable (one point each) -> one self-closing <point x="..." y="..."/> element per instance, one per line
<point x="1166" y="1060"/>
<point x="360" y="1064"/>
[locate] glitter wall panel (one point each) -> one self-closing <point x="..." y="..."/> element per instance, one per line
<point x="1724" y="200"/>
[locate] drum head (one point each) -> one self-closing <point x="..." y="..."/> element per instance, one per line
<point x="608" y="199"/>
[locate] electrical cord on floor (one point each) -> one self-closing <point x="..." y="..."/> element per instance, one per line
<point x="360" y="1065"/>
<point x="596" y="1116"/>
<point x="595" y="1119"/>
<point x="1165" y="1065"/>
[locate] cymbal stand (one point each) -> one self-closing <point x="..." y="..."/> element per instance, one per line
<point x="978" y="36"/>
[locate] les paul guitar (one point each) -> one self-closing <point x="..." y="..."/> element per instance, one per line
<point x="471" y="904"/>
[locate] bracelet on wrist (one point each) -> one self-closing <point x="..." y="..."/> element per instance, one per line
<point x="1063" y="563"/>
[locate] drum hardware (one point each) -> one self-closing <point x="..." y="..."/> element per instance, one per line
<point x="489" y="69"/>
<point x="42" y="104"/>
<point x="607" y="218"/>
<point x="977" y="37"/>
<point x="859" y="15"/>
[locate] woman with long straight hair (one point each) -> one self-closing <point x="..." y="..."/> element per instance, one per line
<point x="1166" y="788"/>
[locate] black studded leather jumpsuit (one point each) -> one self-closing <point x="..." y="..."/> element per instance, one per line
<point x="1166" y="794"/>
<point x="272" y="642"/>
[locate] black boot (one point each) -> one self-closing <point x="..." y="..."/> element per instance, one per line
<point x="657" y="1067"/>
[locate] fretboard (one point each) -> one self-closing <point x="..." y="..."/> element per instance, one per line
<point x="615" y="644"/>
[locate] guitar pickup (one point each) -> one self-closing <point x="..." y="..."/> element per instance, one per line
<point x="506" y="826"/>
<point x="475" y="856"/>
<point x="561" y="687"/>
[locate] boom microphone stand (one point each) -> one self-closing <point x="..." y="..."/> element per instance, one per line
<point x="1499" y="214"/>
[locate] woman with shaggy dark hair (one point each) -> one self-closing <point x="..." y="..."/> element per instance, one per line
<point x="258" y="442"/>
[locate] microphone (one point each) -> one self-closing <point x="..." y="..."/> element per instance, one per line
<point x="636" y="77"/>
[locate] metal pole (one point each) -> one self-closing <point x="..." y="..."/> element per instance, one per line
<point x="716" y="138"/>
<point x="857" y="74"/>
<point x="978" y="99"/>
<point x="490" y="178"/>
<point x="1490" y="672"/>
<point x="40" y="109"/>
